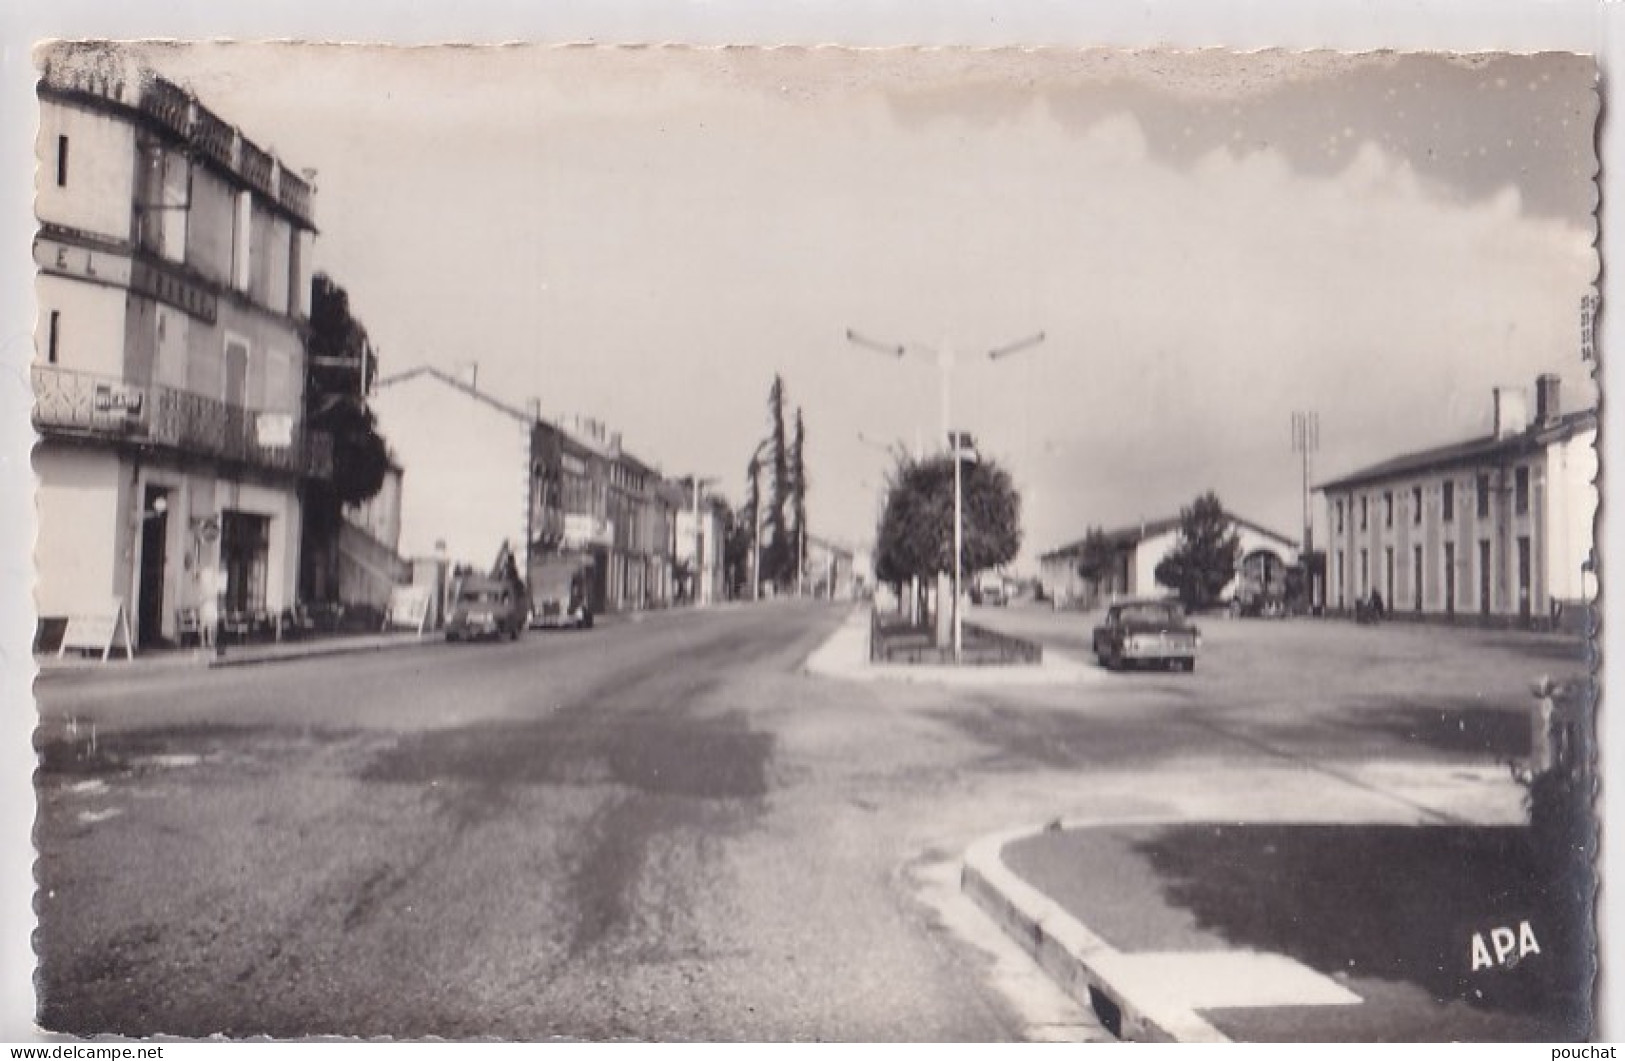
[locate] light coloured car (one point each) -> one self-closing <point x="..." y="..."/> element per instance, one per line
<point x="1148" y="632"/>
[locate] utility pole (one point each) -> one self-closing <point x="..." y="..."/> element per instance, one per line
<point x="1305" y="441"/>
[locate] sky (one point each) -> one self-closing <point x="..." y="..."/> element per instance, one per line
<point x="1207" y="241"/>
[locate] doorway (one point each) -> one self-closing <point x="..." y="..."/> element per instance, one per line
<point x="1484" y="578"/>
<point x="149" y="620"/>
<point x="1523" y="578"/>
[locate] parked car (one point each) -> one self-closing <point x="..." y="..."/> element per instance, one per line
<point x="1146" y="632"/>
<point x="487" y="607"/>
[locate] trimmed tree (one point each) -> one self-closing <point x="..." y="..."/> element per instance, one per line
<point x="1204" y="560"/>
<point x="917" y="527"/>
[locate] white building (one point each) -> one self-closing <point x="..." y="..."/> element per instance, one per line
<point x="170" y="366"/>
<point x="467" y="458"/>
<point x="1138" y="550"/>
<point x="1500" y="528"/>
<point x="701" y="532"/>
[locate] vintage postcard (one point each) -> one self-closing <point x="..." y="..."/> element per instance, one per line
<point x="665" y="543"/>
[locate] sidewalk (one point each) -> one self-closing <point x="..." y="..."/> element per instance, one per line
<point x="1298" y="932"/>
<point x="50" y="665"/>
<point x="846" y="655"/>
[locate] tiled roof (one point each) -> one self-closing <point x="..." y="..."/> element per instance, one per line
<point x="1473" y="451"/>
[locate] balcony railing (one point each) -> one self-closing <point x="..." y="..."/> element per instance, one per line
<point x="85" y="404"/>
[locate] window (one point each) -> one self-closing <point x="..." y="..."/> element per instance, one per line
<point x="62" y="162"/>
<point x="1483" y="496"/>
<point x="1449" y="501"/>
<point x="1365" y="512"/>
<point x="1521" y="491"/>
<point x="1387" y="508"/>
<point x="1416" y="505"/>
<point x="1340" y="515"/>
<point x="1365" y="573"/>
<point x="1341" y="595"/>
<point x="53" y="336"/>
<point x="242" y="236"/>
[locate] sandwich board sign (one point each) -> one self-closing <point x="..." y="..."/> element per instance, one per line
<point x="98" y="631"/>
<point x="409" y="606"/>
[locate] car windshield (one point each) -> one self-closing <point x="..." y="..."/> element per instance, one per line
<point x="1148" y="613"/>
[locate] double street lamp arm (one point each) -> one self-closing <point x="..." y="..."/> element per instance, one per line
<point x="945" y="363"/>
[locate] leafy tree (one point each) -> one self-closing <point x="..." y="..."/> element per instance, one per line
<point x="798" y="491"/>
<point x="1204" y="560"/>
<point x="917" y="526"/>
<point x="1097" y="556"/>
<point x="340" y="365"/>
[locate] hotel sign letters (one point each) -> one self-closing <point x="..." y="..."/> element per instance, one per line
<point x="118" y="269"/>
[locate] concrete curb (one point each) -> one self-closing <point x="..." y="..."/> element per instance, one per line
<point x="1086" y="967"/>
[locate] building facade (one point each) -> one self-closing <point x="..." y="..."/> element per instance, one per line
<point x="480" y="472"/>
<point x="1496" y="529"/>
<point x="701" y="530"/>
<point x="172" y="292"/>
<point x="1138" y="550"/>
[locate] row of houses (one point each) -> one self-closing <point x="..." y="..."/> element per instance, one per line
<point x="1496" y="529"/>
<point x="481" y="474"/>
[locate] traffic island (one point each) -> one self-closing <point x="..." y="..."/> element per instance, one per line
<point x="893" y="639"/>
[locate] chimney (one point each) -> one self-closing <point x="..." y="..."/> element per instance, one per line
<point x="533" y="408"/>
<point x="1548" y="407"/>
<point x="1511" y="412"/>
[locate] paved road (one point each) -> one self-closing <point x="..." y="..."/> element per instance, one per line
<point x="659" y="831"/>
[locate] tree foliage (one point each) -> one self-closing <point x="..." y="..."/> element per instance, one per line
<point x="798" y="491"/>
<point x="1096" y="557"/>
<point x="340" y="363"/>
<point x="917" y="526"/>
<point x="1204" y="560"/>
<point x="778" y="558"/>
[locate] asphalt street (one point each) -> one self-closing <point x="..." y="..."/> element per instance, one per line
<point x="661" y="830"/>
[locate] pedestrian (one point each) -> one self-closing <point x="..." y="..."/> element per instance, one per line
<point x="211" y="588"/>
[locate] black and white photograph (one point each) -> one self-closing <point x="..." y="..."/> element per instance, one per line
<point x="595" y="542"/>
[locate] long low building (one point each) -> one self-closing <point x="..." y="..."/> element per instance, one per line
<point x="1138" y="550"/>
<point x="1499" y="528"/>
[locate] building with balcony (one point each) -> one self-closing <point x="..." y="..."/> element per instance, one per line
<point x="172" y="293"/>
<point x="1138" y="549"/>
<point x="1497" y="529"/>
<point x="480" y="472"/>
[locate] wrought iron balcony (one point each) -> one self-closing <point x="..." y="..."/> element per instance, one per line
<point x="106" y="407"/>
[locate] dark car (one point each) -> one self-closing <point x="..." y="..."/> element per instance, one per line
<point x="1146" y="632"/>
<point x="487" y="607"/>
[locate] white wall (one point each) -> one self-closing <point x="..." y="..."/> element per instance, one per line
<point x="1571" y="511"/>
<point x="90" y="325"/>
<point x="76" y="552"/>
<point x="466" y="470"/>
<point x="100" y="185"/>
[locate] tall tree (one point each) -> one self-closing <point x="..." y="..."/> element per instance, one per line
<point x="1204" y="560"/>
<point x="778" y="558"/>
<point x="750" y="517"/>
<point x="798" y="492"/>
<point x="340" y="366"/>
<point x="917" y="527"/>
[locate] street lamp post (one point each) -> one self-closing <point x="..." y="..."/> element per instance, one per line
<point x="945" y="362"/>
<point x="756" y="536"/>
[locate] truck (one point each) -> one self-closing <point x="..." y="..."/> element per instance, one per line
<point x="558" y="590"/>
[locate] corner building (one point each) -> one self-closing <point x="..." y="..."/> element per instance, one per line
<point x="1497" y="530"/>
<point x="172" y="293"/>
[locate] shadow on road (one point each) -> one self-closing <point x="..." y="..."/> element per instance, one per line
<point x="1434" y="907"/>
